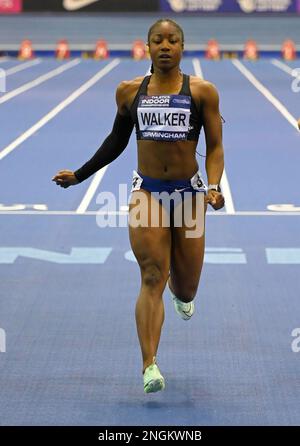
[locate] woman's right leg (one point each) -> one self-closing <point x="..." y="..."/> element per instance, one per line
<point x="151" y="247"/>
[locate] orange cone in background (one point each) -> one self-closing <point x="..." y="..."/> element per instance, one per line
<point x="26" y="50"/>
<point x="212" y="50"/>
<point x="251" y="50"/>
<point x="101" y="51"/>
<point x="288" y="50"/>
<point x="62" y="50"/>
<point x="138" y="50"/>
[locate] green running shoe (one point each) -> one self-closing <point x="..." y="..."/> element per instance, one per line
<point x="153" y="379"/>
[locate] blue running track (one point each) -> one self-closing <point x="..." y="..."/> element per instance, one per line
<point x="69" y="353"/>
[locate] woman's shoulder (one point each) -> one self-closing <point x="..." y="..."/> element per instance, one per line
<point x="127" y="91"/>
<point x="204" y="84"/>
<point x="202" y="88"/>
<point x="128" y="87"/>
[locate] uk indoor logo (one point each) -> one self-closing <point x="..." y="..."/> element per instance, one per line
<point x="249" y="6"/>
<point x="190" y="5"/>
<point x="240" y="6"/>
<point x="155" y="100"/>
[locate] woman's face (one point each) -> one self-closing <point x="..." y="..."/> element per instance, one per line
<point x="165" y="46"/>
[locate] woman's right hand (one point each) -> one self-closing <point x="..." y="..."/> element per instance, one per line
<point x="65" y="178"/>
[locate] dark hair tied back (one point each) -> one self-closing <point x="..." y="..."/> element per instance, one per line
<point x="158" y="22"/>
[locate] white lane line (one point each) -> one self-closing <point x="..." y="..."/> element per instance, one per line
<point x="197" y="68"/>
<point x="229" y="205"/>
<point x="39" y="80"/>
<point x="284" y="67"/>
<point x="61" y="106"/>
<point x="210" y="213"/>
<point x="22" y="66"/>
<point x="266" y="93"/>
<point x="91" y="191"/>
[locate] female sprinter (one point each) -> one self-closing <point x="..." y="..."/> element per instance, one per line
<point x="168" y="109"/>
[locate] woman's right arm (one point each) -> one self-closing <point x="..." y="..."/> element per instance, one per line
<point x="111" y="148"/>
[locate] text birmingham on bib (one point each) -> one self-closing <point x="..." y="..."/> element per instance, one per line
<point x="164" y="118"/>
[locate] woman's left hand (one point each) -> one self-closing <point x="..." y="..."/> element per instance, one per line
<point x="215" y="199"/>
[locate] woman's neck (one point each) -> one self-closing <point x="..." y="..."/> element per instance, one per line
<point x="167" y="77"/>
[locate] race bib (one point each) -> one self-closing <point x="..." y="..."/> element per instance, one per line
<point x="164" y="118"/>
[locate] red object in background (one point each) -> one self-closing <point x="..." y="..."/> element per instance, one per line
<point x="101" y="51"/>
<point x="212" y="50"/>
<point x="26" y="50"/>
<point x="62" y="50"/>
<point x="10" y="6"/>
<point x="251" y="50"/>
<point x="288" y="50"/>
<point x="138" y="50"/>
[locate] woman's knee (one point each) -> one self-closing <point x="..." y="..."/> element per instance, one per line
<point x="154" y="275"/>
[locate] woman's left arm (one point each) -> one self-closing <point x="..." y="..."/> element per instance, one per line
<point x="212" y="123"/>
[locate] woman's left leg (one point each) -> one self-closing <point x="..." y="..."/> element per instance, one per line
<point x="187" y="255"/>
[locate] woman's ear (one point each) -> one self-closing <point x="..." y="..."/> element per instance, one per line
<point x="147" y="50"/>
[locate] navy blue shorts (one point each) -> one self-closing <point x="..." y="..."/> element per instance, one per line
<point x="177" y="190"/>
<point x="170" y="193"/>
<point x="194" y="184"/>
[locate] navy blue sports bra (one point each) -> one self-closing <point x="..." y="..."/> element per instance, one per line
<point x="172" y="117"/>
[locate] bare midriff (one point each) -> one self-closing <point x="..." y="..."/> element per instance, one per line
<point x="167" y="160"/>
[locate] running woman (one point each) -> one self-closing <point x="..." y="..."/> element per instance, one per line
<point x="168" y="109"/>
